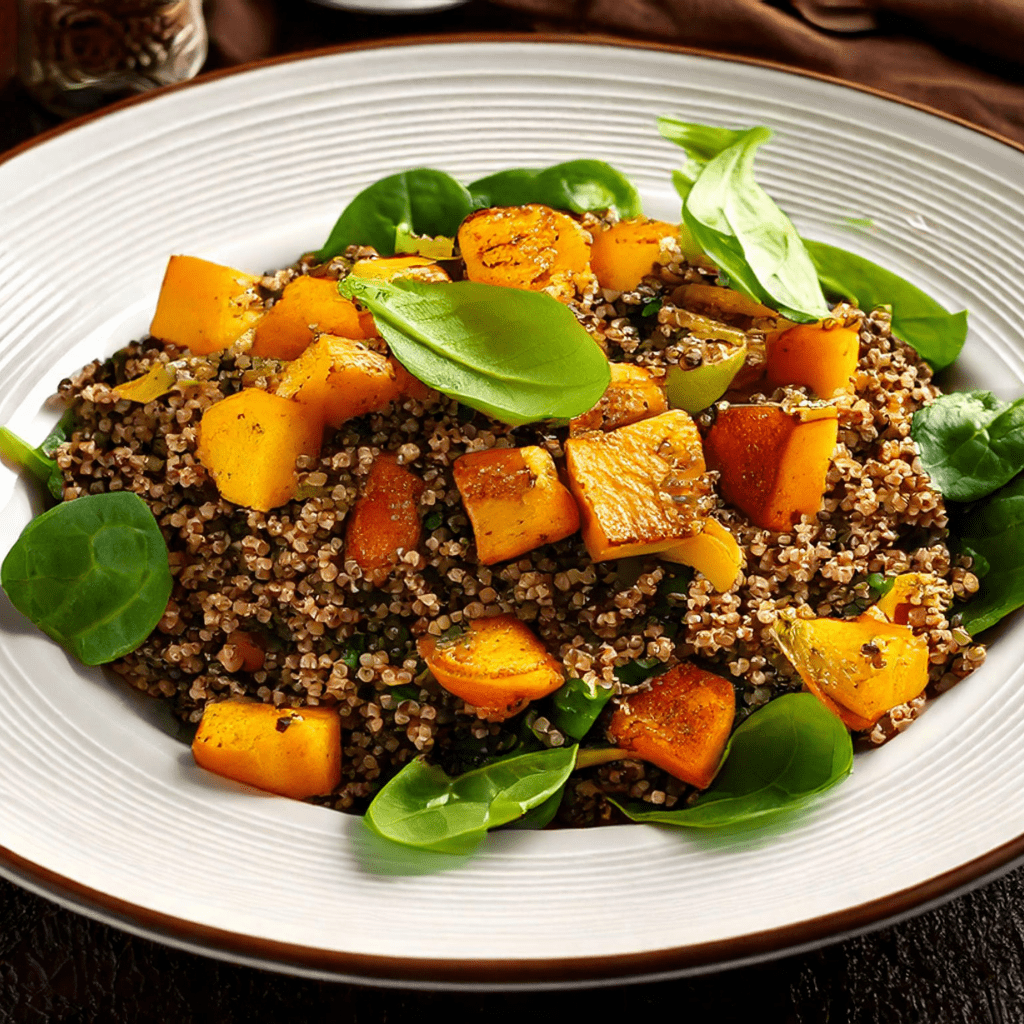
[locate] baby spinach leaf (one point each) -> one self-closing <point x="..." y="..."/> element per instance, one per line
<point x="91" y="573"/>
<point x="992" y="532"/>
<point x="702" y="143"/>
<point x="576" y="185"/>
<point x="577" y="703"/>
<point x="425" y="808"/>
<point x="61" y="432"/>
<point x="917" y="319"/>
<point x="781" y="756"/>
<point x="971" y="443"/>
<point x="421" y="202"/>
<point x="517" y="356"/>
<point x="542" y="815"/>
<point x="39" y="461"/>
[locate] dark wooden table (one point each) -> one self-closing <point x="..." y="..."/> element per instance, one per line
<point x="963" y="962"/>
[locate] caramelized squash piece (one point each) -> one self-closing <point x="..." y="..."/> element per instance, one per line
<point x="823" y="359"/>
<point x="625" y="253"/>
<point x="497" y="665"/>
<point x="293" y="752"/>
<point x="249" y="442"/>
<point x="713" y="552"/>
<point x="385" y="519"/>
<point x="912" y="590"/>
<point x="308" y="306"/>
<point x="514" y="500"/>
<point x="857" y="668"/>
<point x="531" y="247"/>
<point x="340" y="378"/>
<point x="720" y="303"/>
<point x="203" y="306"/>
<point x="639" y="488"/>
<point x="681" y="724"/>
<point x="157" y="381"/>
<point x="773" y="462"/>
<point x="633" y="394"/>
<point x="418" y="268"/>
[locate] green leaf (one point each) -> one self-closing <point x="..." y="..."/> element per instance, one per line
<point x="738" y="225"/>
<point x="420" y="202"/>
<point x="434" y="248"/>
<point x="577" y="703"/>
<point x="39" y="461"/>
<point x="971" y="443"/>
<point x="694" y="390"/>
<point x="992" y="531"/>
<point x="91" y="573"/>
<point x="577" y="186"/>
<point x="517" y="356"/>
<point x="542" y="815"/>
<point x="702" y="142"/>
<point x="423" y="807"/>
<point x="917" y="319"/>
<point x="61" y="432"/>
<point x="777" y="760"/>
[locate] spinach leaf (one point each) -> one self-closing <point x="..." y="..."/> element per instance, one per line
<point x="992" y="532"/>
<point x="577" y="185"/>
<point x="577" y="703"/>
<point x="702" y="143"/>
<point x="542" y="815"/>
<point x="917" y="319"/>
<point x="781" y="756"/>
<point x="424" y="808"/>
<point x="750" y="239"/>
<point x="91" y="573"/>
<point x="421" y="202"/>
<point x="517" y="356"/>
<point x="971" y="443"/>
<point x="61" y="432"/>
<point x="39" y="461"/>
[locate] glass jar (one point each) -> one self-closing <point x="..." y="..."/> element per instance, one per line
<point x="76" y="55"/>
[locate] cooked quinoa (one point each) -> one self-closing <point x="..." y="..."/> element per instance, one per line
<point x="333" y="638"/>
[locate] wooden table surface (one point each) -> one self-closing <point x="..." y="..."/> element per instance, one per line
<point x="962" y="962"/>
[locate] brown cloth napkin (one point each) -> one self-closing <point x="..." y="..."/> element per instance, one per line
<point x="965" y="57"/>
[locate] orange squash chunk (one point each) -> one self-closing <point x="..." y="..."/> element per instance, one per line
<point x="248" y="443"/>
<point x="773" y="462"/>
<point x="308" y="305"/>
<point x="531" y="247"/>
<point x="639" y="487"/>
<point x="681" y="724"/>
<point x="633" y="394"/>
<point x="385" y="519"/>
<point x="418" y="268"/>
<point x="514" y="500"/>
<point x="497" y="665"/>
<point x="293" y="752"/>
<point x="341" y="378"/>
<point x="912" y="590"/>
<point x="713" y="552"/>
<point x="624" y="254"/>
<point x="203" y="306"/>
<point x="823" y="359"/>
<point x="857" y="668"/>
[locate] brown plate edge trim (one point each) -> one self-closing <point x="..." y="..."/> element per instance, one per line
<point x="373" y="969"/>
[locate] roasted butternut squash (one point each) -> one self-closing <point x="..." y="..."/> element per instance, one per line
<point x="773" y="462"/>
<point x="340" y="378"/>
<point x="418" y="268"/>
<point x="385" y="520"/>
<point x="293" y="752"/>
<point x="203" y="306"/>
<point x="157" y="381"/>
<point x="910" y="590"/>
<point x="712" y="552"/>
<point x="514" y="500"/>
<point x="531" y="247"/>
<point x="248" y="443"/>
<point x="823" y="359"/>
<point x="633" y="394"/>
<point x="498" y="665"/>
<point x="308" y="305"/>
<point x="857" y="668"/>
<point x="640" y="488"/>
<point x="625" y="253"/>
<point x="681" y="724"/>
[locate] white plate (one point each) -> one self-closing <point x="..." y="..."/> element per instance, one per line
<point x="101" y="808"/>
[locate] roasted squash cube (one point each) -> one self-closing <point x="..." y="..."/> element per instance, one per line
<point x="625" y="253"/>
<point x="203" y="306"/>
<point x="498" y="665"/>
<point x="823" y="359"/>
<point x="773" y="461"/>
<point x="293" y="752"/>
<point x="514" y="500"/>
<point x="914" y="594"/>
<point x="681" y="724"/>
<point x="385" y="520"/>
<point x="248" y="443"/>
<point x="417" y="268"/>
<point x="633" y="394"/>
<point x="308" y="306"/>
<point x="713" y="552"/>
<point x="641" y="488"/>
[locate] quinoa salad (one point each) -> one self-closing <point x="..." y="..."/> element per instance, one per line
<point x="271" y="606"/>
